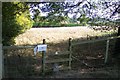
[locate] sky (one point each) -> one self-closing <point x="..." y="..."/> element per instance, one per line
<point x="99" y="11"/>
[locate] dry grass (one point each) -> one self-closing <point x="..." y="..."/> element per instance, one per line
<point x="54" y="35"/>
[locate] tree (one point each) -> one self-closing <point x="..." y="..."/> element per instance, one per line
<point x="84" y="20"/>
<point x="15" y="20"/>
<point x="117" y="44"/>
<point x="91" y="9"/>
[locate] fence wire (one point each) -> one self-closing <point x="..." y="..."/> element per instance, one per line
<point x="21" y="62"/>
<point x="93" y="54"/>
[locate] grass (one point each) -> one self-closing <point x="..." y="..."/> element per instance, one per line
<point x="47" y="24"/>
<point x="58" y="34"/>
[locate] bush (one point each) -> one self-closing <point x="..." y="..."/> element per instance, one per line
<point x="15" y="20"/>
<point x="50" y="24"/>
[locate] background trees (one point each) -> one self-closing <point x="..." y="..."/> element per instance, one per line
<point x="15" y="20"/>
<point x="101" y="10"/>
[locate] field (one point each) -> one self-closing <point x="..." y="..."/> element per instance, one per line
<point x="57" y="34"/>
<point x="90" y="56"/>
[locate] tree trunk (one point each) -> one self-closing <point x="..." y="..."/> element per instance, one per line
<point x="117" y="45"/>
<point x="118" y="31"/>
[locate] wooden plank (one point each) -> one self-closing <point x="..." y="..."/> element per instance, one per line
<point x="70" y="41"/>
<point x="58" y="60"/>
<point x="59" y="53"/>
<point x="43" y="59"/>
<point x="1" y="63"/>
<point x="17" y="47"/>
<point x="107" y="48"/>
<point x="51" y="69"/>
<point x="85" y="42"/>
<point x="92" y="41"/>
<point x="1" y="53"/>
<point x="65" y="68"/>
<point x="70" y="55"/>
<point x="70" y="60"/>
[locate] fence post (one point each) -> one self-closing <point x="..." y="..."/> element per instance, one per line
<point x="1" y="53"/>
<point x="106" y="54"/>
<point x="1" y="63"/>
<point x="43" y="59"/>
<point x="70" y="55"/>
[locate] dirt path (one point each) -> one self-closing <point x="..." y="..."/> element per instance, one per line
<point x="54" y="35"/>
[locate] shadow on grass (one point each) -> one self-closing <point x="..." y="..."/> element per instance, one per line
<point x="23" y="63"/>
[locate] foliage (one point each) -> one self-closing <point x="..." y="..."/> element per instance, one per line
<point x="93" y="10"/>
<point x="15" y="20"/>
<point x="83" y="20"/>
<point x="47" y="24"/>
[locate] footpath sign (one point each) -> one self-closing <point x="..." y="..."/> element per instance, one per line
<point x="39" y="48"/>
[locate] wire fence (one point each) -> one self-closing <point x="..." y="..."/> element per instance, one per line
<point x="19" y="61"/>
<point x="94" y="53"/>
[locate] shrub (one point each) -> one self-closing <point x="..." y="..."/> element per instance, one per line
<point x="15" y="20"/>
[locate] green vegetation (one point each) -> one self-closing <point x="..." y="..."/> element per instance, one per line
<point x="15" y="20"/>
<point x="60" y="21"/>
<point x="48" y="24"/>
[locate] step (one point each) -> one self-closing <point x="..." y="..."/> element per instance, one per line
<point x="58" y="60"/>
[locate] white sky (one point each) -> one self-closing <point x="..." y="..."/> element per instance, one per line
<point x="99" y="11"/>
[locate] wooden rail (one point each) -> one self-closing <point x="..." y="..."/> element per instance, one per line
<point x="92" y="41"/>
<point x="59" y="53"/>
<point x="18" y="47"/>
<point x="69" y="52"/>
<point x="73" y="43"/>
<point x="57" y="60"/>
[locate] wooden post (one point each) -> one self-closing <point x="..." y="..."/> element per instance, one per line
<point x="70" y="55"/>
<point x="69" y="46"/>
<point x="43" y="60"/>
<point x="106" y="54"/>
<point x="1" y="63"/>
<point x="1" y="53"/>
